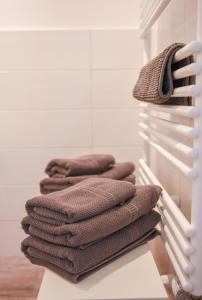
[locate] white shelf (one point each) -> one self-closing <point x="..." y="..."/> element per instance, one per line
<point x="133" y="276"/>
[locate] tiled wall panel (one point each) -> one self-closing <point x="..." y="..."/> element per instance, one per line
<point x="44" y="50"/>
<point x="63" y="93"/>
<point x="45" y="90"/>
<point x="115" y="49"/>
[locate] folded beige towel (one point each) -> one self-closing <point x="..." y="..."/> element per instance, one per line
<point x="75" y="263"/>
<point x="121" y="171"/>
<point x="97" y="227"/>
<point x="156" y="84"/>
<point x="82" y="201"/>
<point x="84" y="165"/>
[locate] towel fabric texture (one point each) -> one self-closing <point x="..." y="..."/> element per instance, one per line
<point x="88" y="164"/>
<point x="86" y="199"/>
<point x="156" y="83"/>
<point x="75" y="263"/>
<point x="94" y="228"/>
<point x="79" y="229"/>
<point x="57" y="182"/>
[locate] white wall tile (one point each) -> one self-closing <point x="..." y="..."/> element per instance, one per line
<point x="190" y="19"/>
<point x="54" y="102"/>
<point x="44" y="90"/>
<point x="13" y="235"/>
<point x="45" y="129"/>
<point x="115" y="128"/>
<point x="13" y="200"/>
<point x="113" y="89"/>
<point x="26" y="166"/>
<point x="69" y="13"/>
<point x="39" y="50"/>
<point x="116" y="49"/>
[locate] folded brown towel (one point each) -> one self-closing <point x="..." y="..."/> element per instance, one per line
<point x="75" y="278"/>
<point x="129" y="178"/>
<point x="82" y="201"/>
<point x="97" y="227"/>
<point x="75" y="263"/>
<point x="84" y="165"/>
<point x="156" y="84"/>
<point x="59" y="182"/>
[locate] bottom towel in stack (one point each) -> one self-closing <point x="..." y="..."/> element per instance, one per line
<point x="76" y="231"/>
<point x="75" y="263"/>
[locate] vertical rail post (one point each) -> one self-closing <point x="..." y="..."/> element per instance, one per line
<point x="196" y="214"/>
<point x="146" y="58"/>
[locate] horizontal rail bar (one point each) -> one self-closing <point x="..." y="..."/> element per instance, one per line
<point x="185" y="111"/>
<point x="188" y="172"/>
<point x="144" y="178"/>
<point x="153" y="16"/>
<point x="144" y="126"/>
<point x="189" y="70"/>
<point x="145" y="14"/>
<point x="184" y="280"/>
<point x="185" y="264"/>
<point x="187" y="229"/>
<point x="186" y="131"/>
<point x="144" y="115"/>
<point x="186" y="91"/>
<point x="189" y="49"/>
<point x="188" y="152"/>
<point x="185" y="245"/>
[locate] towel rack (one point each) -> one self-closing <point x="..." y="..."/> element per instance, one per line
<point x="183" y="239"/>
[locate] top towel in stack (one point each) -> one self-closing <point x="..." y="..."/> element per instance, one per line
<point x="156" y="83"/>
<point x="77" y="230"/>
<point x="64" y="173"/>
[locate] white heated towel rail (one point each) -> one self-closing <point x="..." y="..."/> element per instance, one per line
<point x="183" y="239"/>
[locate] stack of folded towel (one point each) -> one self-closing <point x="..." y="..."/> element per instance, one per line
<point x="77" y="230"/>
<point x="64" y="173"/>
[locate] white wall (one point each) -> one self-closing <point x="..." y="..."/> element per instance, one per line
<point x="69" y="13"/>
<point x="63" y="93"/>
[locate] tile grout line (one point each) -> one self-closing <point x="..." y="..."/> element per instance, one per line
<point x="11" y="148"/>
<point x="68" y="109"/>
<point x="91" y="88"/>
<point x="66" y="70"/>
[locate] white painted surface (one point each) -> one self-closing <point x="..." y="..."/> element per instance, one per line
<point x="109" y="49"/>
<point x="133" y="276"/>
<point x="112" y="89"/>
<point x="44" y="50"/>
<point x="26" y="129"/>
<point x="115" y="128"/>
<point x="45" y="90"/>
<point x="69" y="13"/>
<point x="177" y="23"/>
<point x="25" y="166"/>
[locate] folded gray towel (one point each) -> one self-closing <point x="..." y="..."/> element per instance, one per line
<point x="84" y="165"/>
<point x="156" y="84"/>
<point x="57" y="182"/>
<point x="82" y="201"/>
<point x="75" y="263"/>
<point x="96" y="227"/>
